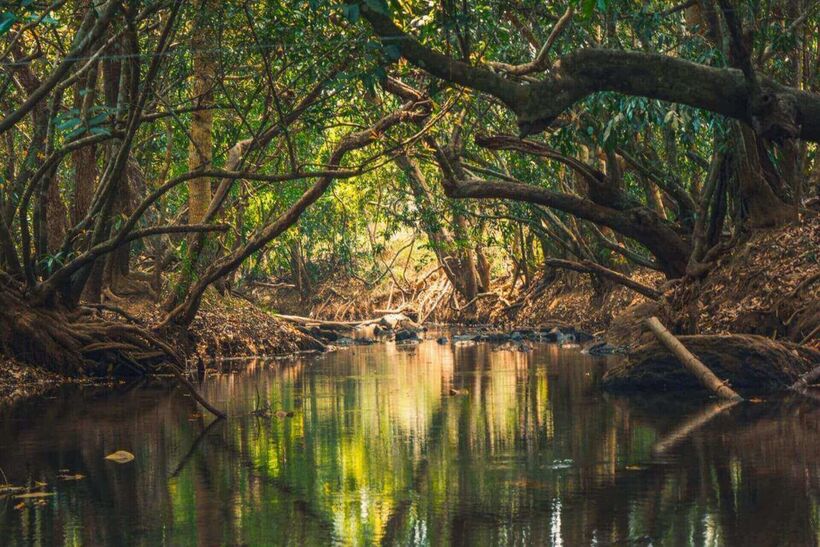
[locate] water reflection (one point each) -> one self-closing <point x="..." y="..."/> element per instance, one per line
<point x="527" y="451"/>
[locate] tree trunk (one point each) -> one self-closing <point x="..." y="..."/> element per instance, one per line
<point x="204" y="72"/>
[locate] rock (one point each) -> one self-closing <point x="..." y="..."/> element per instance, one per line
<point x="465" y="337"/>
<point x="441" y="340"/>
<point x="581" y="336"/>
<point x="405" y="335"/>
<point x="516" y="336"/>
<point x="602" y="348"/>
<point x="344" y="341"/>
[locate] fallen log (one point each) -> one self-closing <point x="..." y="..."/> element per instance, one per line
<point x="692" y="363"/>
<point x="587" y="266"/>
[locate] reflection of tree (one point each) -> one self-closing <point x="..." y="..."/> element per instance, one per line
<point x="379" y="452"/>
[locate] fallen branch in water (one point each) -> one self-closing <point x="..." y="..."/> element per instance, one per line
<point x="587" y="266"/>
<point x="692" y="363"/>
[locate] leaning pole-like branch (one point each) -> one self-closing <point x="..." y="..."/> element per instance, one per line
<point x="587" y="266"/>
<point x="692" y="363"/>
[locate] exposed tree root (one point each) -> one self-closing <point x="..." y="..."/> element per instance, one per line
<point x="78" y="343"/>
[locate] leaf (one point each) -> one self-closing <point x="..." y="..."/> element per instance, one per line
<point x="120" y="456"/>
<point x="98" y="119"/>
<point x="392" y="52"/>
<point x="379" y="6"/>
<point x="351" y="12"/>
<point x="6" y="21"/>
<point x="68" y="123"/>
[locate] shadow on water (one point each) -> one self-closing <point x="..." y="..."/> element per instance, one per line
<point x="377" y="450"/>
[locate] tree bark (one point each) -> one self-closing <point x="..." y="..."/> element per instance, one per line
<point x="204" y="71"/>
<point x="774" y="111"/>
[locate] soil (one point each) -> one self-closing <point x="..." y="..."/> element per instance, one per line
<point x="749" y="363"/>
<point x="226" y="327"/>
<point x="770" y="285"/>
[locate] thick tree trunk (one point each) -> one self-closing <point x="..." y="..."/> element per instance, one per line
<point x="762" y="206"/>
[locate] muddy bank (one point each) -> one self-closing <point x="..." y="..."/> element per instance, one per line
<point x="749" y="364"/>
<point x="226" y="327"/>
<point x="20" y="381"/>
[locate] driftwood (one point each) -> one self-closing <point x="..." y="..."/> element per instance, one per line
<point x="692" y="363"/>
<point x="587" y="266"/>
<point x="436" y="303"/>
<point x="475" y="299"/>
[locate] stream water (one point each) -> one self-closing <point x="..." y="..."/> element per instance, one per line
<point x="417" y="444"/>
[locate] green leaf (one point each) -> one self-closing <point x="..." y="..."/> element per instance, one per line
<point x="6" y="21"/>
<point x="68" y="123"/>
<point x="351" y="12"/>
<point x="98" y="119"/>
<point x="379" y="6"/>
<point x="76" y="133"/>
<point x="392" y="52"/>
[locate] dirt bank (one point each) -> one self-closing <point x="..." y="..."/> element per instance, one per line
<point x="226" y="327"/>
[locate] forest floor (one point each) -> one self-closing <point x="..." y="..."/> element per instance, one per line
<point x="769" y="286"/>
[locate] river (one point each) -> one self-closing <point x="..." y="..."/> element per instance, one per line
<point x="410" y="444"/>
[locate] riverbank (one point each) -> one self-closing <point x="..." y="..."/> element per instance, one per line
<point x="767" y="287"/>
<point x="226" y="327"/>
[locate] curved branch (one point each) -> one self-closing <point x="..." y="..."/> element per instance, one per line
<point x="775" y="111"/>
<point x="587" y="266"/>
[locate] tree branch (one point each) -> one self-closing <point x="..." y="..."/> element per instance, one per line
<point x="587" y="266"/>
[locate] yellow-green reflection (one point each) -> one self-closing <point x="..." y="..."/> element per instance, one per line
<point x="378" y="451"/>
